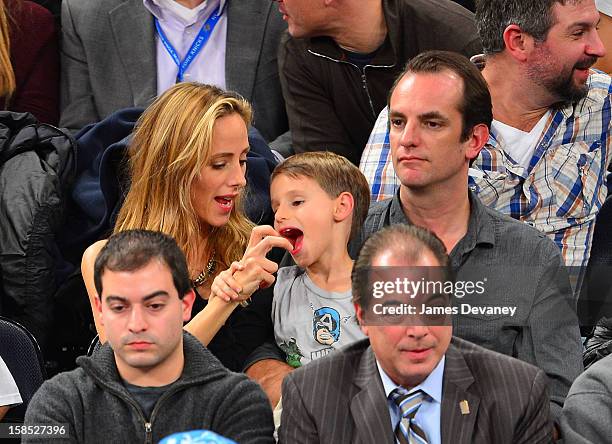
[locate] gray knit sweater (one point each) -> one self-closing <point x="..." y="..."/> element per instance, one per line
<point x="98" y="409"/>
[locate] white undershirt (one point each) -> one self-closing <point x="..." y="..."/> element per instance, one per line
<point x="519" y="145"/>
<point x="9" y="393"/>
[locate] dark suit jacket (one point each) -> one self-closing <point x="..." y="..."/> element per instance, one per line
<point x="340" y="399"/>
<point x="109" y="62"/>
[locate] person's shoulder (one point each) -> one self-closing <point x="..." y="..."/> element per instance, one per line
<point x="587" y="407"/>
<point x="599" y="89"/>
<point x="63" y="388"/>
<point x="63" y="398"/>
<point x="438" y="10"/>
<point x="65" y="379"/>
<point x="522" y="236"/>
<point x="257" y="6"/>
<point x="510" y="226"/>
<point x="375" y="212"/>
<point x="31" y="19"/>
<point x="289" y="273"/>
<point x="203" y="372"/>
<point x="291" y="45"/>
<point x="597" y="379"/>
<point x="94" y="8"/>
<point x="229" y="382"/>
<point x="285" y="277"/>
<point x="30" y="11"/>
<point x="371" y="223"/>
<point x="378" y="208"/>
<point x="490" y="367"/>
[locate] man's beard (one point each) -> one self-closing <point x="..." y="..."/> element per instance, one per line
<point x="561" y="85"/>
<point x="566" y="89"/>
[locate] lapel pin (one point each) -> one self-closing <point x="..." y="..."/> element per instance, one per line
<point x="464" y="407"/>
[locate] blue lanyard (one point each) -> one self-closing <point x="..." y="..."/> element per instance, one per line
<point x="197" y="45"/>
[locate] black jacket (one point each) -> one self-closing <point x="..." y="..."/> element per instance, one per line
<point x="332" y="103"/>
<point x="37" y="164"/>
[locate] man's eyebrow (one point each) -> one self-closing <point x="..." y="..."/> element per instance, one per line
<point x="395" y="114"/>
<point x="433" y="115"/>
<point x="115" y="298"/>
<point x="155" y="294"/>
<point x="584" y="24"/>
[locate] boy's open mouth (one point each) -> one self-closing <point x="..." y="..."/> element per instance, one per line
<point x="295" y="236"/>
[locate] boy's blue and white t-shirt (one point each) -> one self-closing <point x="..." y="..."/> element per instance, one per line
<point x="310" y="322"/>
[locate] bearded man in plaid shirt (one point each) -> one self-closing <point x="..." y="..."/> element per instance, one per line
<point x="549" y="148"/>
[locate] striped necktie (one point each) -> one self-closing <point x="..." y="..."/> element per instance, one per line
<point x="407" y="430"/>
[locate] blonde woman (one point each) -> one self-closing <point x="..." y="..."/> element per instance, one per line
<point x="187" y="163"/>
<point x="29" y="60"/>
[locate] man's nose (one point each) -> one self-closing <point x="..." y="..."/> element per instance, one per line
<point x="137" y="322"/>
<point x="410" y="135"/>
<point x="417" y="331"/>
<point x="596" y="47"/>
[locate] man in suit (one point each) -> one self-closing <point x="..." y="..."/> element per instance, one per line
<point x="117" y="54"/>
<point x="440" y="113"/>
<point x="411" y="378"/>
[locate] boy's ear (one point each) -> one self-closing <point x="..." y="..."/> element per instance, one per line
<point x="344" y="206"/>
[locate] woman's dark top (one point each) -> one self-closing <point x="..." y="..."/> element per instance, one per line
<point x="245" y="330"/>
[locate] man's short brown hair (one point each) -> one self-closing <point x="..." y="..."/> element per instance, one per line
<point x="475" y="106"/>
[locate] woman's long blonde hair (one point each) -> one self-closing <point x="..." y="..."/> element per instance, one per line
<point x="7" y="75"/>
<point x="171" y="143"/>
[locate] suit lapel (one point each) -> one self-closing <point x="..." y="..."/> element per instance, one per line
<point x="133" y="30"/>
<point x="246" y="27"/>
<point x="369" y="405"/>
<point x="456" y="426"/>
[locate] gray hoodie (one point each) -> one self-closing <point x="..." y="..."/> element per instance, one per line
<point x="96" y="407"/>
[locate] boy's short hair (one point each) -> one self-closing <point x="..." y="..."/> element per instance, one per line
<point x="335" y="175"/>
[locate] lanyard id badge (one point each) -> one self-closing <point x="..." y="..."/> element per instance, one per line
<point x="199" y="42"/>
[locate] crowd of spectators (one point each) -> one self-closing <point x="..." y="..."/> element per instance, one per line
<point x="223" y="197"/>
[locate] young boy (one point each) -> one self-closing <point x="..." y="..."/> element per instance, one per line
<point x="320" y="201"/>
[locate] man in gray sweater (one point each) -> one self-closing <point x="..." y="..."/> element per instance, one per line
<point x="151" y="379"/>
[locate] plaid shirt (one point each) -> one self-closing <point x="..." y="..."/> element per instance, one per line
<point x="561" y="191"/>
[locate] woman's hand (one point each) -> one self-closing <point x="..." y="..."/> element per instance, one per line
<point x="255" y="271"/>
<point x="224" y="286"/>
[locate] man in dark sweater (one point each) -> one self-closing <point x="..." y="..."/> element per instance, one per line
<point x="151" y="379"/>
<point x="342" y="56"/>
